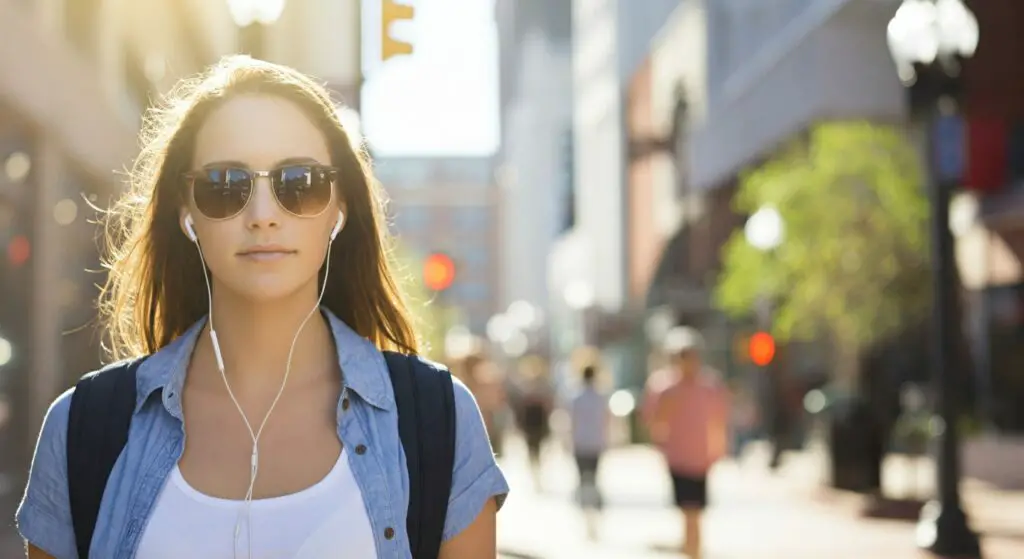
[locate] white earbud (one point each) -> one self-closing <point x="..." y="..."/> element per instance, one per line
<point x="338" y="225"/>
<point x="190" y="229"/>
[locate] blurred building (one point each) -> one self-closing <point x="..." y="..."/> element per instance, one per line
<point x="990" y="243"/>
<point x="727" y="84"/>
<point x="535" y="162"/>
<point x="322" y="38"/>
<point x="450" y="205"/>
<point x="587" y="275"/>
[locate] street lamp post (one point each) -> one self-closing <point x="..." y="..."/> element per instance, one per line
<point x="765" y="231"/>
<point x="928" y="40"/>
<point x="252" y="18"/>
<point x="579" y="297"/>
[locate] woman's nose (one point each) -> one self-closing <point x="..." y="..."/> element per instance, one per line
<point x="263" y="210"/>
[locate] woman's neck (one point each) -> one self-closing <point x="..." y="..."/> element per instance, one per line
<point x="255" y="340"/>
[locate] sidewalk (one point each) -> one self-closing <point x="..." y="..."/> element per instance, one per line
<point x="755" y="515"/>
<point x="994" y="513"/>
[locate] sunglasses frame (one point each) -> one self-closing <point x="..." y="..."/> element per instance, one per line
<point x="191" y="176"/>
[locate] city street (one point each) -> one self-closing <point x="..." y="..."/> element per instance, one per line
<point x="755" y="515"/>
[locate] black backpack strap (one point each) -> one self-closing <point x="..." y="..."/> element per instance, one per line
<point x="98" y="420"/>
<point x="425" y="399"/>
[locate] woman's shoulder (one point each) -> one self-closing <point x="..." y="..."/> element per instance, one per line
<point x="44" y="516"/>
<point x="53" y="432"/>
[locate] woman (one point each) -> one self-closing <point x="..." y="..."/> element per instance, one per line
<point x="248" y="181"/>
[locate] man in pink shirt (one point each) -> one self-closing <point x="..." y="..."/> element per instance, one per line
<point x="687" y="412"/>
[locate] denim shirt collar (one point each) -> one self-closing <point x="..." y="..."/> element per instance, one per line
<point x="364" y="370"/>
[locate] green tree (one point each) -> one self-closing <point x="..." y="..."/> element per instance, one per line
<point x="854" y="261"/>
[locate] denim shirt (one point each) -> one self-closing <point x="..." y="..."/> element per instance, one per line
<point x="156" y="440"/>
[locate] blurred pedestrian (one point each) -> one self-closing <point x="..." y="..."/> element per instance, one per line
<point x="589" y="422"/>
<point x="484" y="380"/>
<point x="250" y="199"/>
<point x="687" y="411"/>
<point x="536" y="396"/>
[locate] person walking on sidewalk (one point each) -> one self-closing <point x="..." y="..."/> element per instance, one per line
<point x="687" y="411"/>
<point x="589" y="418"/>
<point x="536" y="400"/>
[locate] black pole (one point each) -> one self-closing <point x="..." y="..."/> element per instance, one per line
<point x="943" y="527"/>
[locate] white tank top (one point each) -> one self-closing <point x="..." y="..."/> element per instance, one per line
<point x="326" y="520"/>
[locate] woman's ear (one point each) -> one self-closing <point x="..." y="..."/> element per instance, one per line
<point x="187" y="224"/>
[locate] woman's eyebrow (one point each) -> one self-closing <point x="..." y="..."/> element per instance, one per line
<point x="280" y="163"/>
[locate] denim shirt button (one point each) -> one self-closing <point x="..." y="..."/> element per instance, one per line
<point x="361" y="449"/>
<point x="389" y="533"/>
<point x="345" y="404"/>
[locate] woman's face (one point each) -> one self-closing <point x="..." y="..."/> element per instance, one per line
<point x="264" y="252"/>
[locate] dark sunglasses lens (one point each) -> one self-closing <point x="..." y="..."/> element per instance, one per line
<point x="221" y="193"/>
<point x="303" y="190"/>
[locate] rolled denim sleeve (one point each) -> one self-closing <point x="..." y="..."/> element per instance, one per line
<point x="44" y="516"/>
<point x="476" y="476"/>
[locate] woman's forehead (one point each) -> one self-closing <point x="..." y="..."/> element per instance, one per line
<point x="259" y="130"/>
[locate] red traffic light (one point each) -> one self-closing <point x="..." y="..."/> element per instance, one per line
<point x="761" y="348"/>
<point x="438" y="272"/>
<point x="18" y="251"/>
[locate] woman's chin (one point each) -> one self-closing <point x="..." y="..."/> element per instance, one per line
<point x="268" y="291"/>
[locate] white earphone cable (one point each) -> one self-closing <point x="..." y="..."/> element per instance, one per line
<point x="255" y="435"/>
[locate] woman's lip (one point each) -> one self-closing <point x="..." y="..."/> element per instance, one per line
<point x="265" y="255"/>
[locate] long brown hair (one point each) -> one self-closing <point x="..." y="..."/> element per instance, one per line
<point x="155" y="288"/>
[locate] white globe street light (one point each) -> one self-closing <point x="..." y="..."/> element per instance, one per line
<point x="247" y="12"/>
<point x="579" y="295"/>
<point x="923" y="31"/>
<point x="765" y="230"/>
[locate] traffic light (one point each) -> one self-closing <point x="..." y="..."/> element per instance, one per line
<point x="390" y="13"/>
<point x="438" y="272"/>
<point x="761" y="348"/>
<point x="18" y="251"/>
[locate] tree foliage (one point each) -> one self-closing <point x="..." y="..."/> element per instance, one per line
<point x="854" y="259"/>
<point x="431" y="318"/>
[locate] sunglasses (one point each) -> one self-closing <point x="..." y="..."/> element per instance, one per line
<point x="301" y="190"/>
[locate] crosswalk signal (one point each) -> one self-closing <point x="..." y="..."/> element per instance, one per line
<point x="761" y="348"/>
<point x="391" y="12"/>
